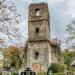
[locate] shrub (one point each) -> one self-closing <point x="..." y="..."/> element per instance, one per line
<point x="70" y="73"/>
<point x="55" y="68"/>
<point x="61" y="67"/>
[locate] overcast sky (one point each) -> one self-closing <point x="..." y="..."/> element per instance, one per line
<point x="61" y="14"/>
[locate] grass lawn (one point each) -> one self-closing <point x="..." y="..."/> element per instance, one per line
<point x="42" y="73"/>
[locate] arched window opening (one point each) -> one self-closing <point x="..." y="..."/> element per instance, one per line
<point x="37" y="12"/>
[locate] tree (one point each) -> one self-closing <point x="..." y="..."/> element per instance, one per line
<point x="68" y="55"/>
<point x="11" y="57"/>
<point x="70" y="40"/>
<point x="9" y="20"/>
<point x="15" y="56"/>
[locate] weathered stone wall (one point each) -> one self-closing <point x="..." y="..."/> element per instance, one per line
<point x="56" y="54"/>
<point x="43" y="54"/>
<point x="43" y="31"/>
<point x="41" y="22"/>
<point x="44" y="13"/>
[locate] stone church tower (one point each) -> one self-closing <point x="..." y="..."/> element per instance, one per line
<point x="38" y="49"/>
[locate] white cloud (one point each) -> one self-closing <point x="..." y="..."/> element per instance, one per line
<point x="3" y="36"/>
<point x="1" y="55"/>
<point x="22" y="0"/>
<point x="55" y="1"/>
<point x="71" y="3"/>
<point x="48" y="1"/>
<point x="28" y="1"/>
<point x="70" y="8"/>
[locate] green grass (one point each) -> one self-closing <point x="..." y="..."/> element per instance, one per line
<point x="42" y="73"/>
<point x="58" y="74"/>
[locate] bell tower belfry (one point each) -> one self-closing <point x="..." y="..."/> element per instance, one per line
<point x="38" y="22"/>
<point x="38" y="49"/>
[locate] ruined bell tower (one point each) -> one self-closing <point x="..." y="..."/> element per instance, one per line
<point x="38" y="49"/>
<point x="38" y="23"/>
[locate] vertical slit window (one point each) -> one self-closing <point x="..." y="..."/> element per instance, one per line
<point x="37" y="30"/>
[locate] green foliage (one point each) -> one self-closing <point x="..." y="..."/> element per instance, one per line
<point x="70" y="73"/>
<point x="42" y="73"/>
<point x="55" y="68"/>
<point x="14" y="58"/>
<point x="68" y="55"/>
<point x="14" y="73"/>
<point x="58" y="74"/>
<point x="61" y="67"/>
